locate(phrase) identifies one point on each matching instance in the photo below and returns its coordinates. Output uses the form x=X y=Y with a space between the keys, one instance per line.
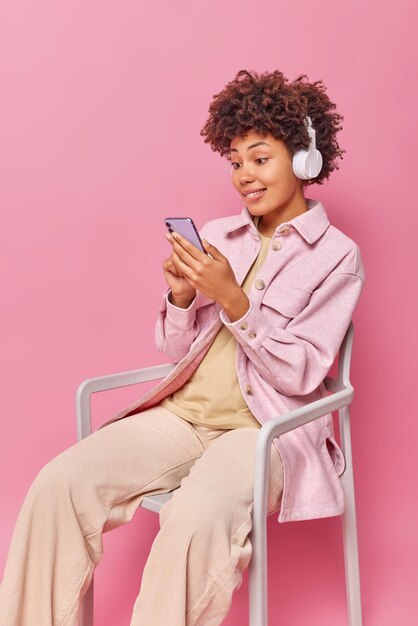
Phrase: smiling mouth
x=254 y=194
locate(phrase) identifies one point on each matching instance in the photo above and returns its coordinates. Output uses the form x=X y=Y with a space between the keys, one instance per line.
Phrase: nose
x=246 y=174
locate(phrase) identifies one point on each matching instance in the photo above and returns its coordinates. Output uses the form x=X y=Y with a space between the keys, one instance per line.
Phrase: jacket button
x=276 y=245
x=285 y=230
x=259 y=284
x=244 y=326
x=252 y=335
x=249 y=390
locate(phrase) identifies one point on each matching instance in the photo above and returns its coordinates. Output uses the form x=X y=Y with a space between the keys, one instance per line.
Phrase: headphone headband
x=311 y=132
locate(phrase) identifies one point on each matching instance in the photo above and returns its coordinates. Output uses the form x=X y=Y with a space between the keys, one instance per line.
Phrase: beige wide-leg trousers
x=200 y=552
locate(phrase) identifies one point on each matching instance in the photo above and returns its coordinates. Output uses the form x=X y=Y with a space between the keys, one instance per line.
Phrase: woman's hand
x=182 y=293
x=211 y=275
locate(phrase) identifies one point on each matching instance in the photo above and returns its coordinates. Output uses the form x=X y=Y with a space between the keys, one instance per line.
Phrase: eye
x=261 y=160
x=234 y=165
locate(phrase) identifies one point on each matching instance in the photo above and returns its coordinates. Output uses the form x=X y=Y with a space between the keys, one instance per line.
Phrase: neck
x=268 y=223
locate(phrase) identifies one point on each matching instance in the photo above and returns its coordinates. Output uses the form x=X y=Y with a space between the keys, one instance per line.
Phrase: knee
x=195 y=514
x=51 y=479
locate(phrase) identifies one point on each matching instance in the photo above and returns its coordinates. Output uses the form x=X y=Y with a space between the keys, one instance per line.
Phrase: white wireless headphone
x=308 y=163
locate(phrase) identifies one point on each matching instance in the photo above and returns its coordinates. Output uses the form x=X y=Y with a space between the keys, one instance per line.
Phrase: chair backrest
x=342 y=382
x=344 y=363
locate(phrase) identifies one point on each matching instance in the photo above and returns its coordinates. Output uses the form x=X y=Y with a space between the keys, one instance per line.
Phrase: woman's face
x=263 y=176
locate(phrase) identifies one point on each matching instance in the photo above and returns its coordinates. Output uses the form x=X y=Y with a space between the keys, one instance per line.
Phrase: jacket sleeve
x=296 y=359
x=176 y=328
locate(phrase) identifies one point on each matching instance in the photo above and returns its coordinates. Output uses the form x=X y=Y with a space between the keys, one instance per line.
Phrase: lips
x=254 y=193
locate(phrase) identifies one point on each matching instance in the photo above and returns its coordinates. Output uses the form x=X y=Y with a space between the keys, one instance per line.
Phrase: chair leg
x=352 y=569
x=258 y=577
x=351 y=556
x=85 y=617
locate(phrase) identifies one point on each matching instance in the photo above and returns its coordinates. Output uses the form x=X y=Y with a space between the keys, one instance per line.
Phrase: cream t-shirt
x=212 y=396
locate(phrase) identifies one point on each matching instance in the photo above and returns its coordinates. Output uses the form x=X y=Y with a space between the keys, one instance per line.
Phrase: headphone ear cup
x=307 y=164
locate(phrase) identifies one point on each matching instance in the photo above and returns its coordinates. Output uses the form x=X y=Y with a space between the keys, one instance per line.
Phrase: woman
x=255 y=325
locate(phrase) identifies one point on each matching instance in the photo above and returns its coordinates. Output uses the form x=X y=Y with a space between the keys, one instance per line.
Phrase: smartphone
x=185 y=227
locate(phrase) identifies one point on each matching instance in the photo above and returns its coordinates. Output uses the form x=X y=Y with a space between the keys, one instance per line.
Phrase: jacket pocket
x=333 y=450
x=286 y=299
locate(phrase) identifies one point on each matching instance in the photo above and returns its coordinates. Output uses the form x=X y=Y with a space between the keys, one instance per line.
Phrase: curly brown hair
x=267 y=103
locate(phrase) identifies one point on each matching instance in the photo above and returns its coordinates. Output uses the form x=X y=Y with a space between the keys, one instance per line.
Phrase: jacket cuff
x=178 y=317
x=251 y=329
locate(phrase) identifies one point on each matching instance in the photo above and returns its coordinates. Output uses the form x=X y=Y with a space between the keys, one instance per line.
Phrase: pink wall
x=101 y=107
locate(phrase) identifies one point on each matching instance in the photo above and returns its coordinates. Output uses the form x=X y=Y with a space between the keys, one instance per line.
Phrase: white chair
x=340 y=398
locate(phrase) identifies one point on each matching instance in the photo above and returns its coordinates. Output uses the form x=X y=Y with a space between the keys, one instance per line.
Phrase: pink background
x=101 y=107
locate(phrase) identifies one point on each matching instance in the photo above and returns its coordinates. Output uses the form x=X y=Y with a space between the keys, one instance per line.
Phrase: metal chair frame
x=340 y=398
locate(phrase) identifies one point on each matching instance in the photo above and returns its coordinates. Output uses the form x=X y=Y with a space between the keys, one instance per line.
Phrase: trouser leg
x=199 y=555
x=94 y=486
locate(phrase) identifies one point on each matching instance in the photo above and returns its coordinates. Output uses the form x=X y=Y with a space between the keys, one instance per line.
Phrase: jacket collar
x=311 y=225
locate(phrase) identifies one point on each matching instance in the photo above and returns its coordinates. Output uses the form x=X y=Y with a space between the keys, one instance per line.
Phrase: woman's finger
x=169 y=266
x=188 y=248
x=186 y=257
x=182 y=267
x=213 y=251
